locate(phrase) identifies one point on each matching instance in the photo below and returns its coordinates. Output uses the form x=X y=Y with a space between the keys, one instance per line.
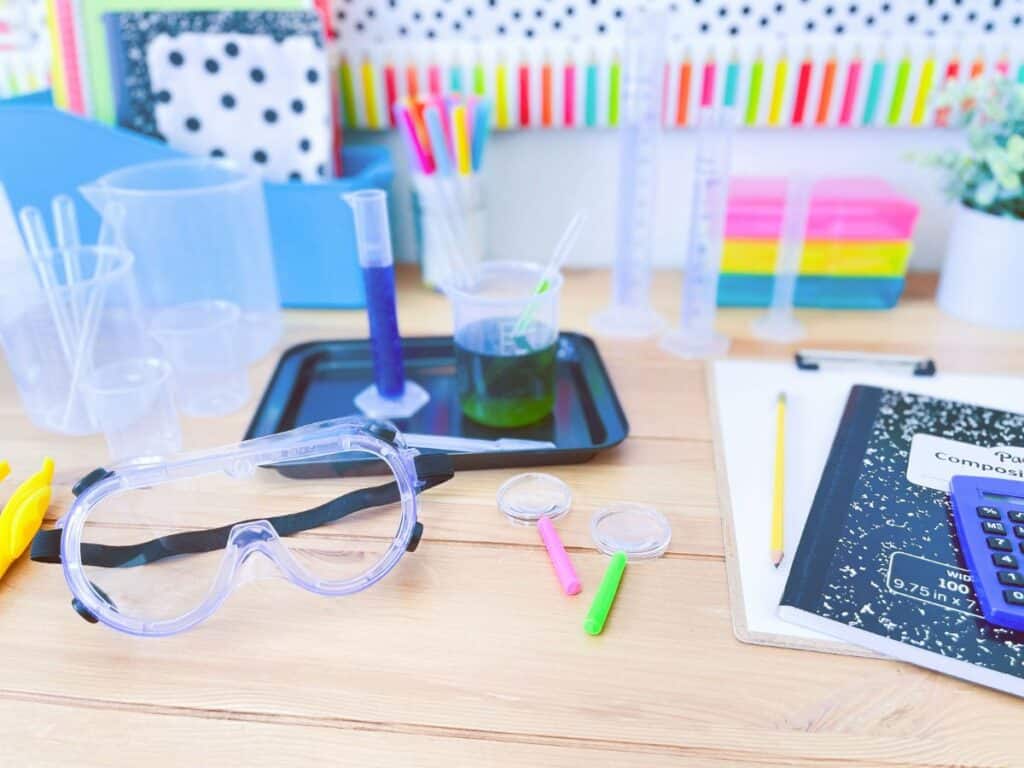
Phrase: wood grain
x=468 y=654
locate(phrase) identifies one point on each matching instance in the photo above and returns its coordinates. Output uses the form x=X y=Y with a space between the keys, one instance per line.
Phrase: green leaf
x=986 y=194
x=1015 y=152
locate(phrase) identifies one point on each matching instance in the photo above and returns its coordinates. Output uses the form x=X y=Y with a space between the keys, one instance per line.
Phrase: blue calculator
x=989 y=517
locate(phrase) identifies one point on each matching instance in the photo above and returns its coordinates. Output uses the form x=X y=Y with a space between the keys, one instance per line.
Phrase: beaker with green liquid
x=506 y=335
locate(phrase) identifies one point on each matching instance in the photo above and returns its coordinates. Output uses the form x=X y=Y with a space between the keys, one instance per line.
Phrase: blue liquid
x=388 y=369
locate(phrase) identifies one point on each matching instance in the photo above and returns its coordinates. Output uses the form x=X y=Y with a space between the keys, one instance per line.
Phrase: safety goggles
x=154 y=549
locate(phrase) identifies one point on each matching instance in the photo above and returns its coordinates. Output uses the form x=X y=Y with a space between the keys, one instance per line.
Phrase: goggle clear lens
x=222 y=513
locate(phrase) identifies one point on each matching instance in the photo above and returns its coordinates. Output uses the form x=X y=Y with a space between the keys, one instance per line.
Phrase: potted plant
x=983 y=277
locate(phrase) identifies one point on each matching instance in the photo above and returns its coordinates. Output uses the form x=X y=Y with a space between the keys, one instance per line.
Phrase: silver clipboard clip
x=827 y=359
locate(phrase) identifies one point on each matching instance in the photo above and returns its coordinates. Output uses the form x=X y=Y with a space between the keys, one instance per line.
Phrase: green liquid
x=505 y=380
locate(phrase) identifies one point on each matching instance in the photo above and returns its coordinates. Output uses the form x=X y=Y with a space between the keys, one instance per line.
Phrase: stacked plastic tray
x=855 y=252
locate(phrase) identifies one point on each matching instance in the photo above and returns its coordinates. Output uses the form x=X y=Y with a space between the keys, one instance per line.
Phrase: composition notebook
x=878 y=563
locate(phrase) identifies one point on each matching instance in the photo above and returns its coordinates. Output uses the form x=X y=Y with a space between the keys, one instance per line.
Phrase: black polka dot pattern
x=248 y=86
x=443 y=19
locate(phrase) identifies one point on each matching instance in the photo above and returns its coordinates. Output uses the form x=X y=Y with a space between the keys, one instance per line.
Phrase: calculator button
x=1011 y=578
x=1014 y=596
x=998 y=542
x=993 y=514
x=992 y=526
x=1016 y=515
x=1018 y=531
x=1004 y=561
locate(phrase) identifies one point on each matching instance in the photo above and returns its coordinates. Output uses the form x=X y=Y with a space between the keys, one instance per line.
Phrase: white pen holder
x=451 y=219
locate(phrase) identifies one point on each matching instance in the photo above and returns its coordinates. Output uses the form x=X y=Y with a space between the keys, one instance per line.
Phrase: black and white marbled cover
x=879 y=554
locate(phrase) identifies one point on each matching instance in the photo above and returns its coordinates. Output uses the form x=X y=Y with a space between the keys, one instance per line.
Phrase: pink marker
x=559 y=557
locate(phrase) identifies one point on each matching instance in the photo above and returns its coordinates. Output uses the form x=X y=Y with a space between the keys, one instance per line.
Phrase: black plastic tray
x=319 y=380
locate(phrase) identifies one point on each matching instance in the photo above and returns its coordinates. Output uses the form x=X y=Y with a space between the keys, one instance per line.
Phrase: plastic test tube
x=778 y=323
x=390 y=396
x=602 y=604
x=559 y=557
x=696 y=337
x=630 y=314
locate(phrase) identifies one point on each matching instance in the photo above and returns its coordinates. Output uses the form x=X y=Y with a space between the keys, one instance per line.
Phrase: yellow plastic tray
x=833 y=258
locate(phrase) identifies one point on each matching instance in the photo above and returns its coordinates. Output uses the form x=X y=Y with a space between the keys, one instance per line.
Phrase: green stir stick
x=558 y=257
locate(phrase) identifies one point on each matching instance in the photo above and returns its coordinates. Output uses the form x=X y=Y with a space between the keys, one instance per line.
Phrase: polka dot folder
x=248 y=86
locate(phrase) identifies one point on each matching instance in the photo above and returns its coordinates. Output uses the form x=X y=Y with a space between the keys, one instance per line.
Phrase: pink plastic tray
x=841 y=209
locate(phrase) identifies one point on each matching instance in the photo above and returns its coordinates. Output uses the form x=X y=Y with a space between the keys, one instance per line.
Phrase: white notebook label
x=935 y=460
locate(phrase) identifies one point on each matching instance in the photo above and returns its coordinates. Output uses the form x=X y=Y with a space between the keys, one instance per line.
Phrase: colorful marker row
x=821 y=88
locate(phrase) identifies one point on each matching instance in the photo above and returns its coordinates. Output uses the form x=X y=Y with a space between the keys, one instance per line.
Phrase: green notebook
x=94 y=36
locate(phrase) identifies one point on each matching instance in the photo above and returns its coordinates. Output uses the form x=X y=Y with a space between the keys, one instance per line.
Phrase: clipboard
x=741 y=400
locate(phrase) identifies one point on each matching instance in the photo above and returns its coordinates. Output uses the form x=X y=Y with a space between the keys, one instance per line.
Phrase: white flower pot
x=983 y=278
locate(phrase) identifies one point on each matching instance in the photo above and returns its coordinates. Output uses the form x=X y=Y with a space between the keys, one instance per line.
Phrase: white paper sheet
x=745 y=393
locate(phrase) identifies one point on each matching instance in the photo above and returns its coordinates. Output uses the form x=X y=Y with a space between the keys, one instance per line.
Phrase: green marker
x=602 y=604
x=754 y=94
x=613 y=93
x=348 y=95
x=479 y=80
x=899 y=92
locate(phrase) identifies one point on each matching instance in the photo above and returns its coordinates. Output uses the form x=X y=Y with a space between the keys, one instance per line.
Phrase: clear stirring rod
x=696 y=336
x=630 y=314
x=778 y=324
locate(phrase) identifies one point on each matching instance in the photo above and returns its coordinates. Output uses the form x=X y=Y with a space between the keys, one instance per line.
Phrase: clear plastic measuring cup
x=504 y=369
x=132 y=402
x=55 y=334
x=198 y=229
x=203 y=343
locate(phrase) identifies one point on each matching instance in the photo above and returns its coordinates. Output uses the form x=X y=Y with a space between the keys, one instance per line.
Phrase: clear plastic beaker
x=132 y=402
x=450 y=220
x=203 y=343
x=505 y=367
x=54 y=334
x=199 y=232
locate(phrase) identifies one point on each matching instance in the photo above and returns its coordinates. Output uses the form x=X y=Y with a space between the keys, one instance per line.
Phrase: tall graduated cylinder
x=506 y=338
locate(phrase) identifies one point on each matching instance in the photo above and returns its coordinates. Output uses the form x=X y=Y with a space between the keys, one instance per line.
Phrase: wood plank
x=478 y=638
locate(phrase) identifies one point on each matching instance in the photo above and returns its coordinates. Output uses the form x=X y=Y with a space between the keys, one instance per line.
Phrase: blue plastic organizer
x=45 y=152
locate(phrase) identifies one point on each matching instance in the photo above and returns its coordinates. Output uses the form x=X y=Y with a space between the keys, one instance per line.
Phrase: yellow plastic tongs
x=24 y=512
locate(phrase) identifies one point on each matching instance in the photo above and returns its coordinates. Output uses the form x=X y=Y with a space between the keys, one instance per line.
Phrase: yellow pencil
x=923 y=90
x=501 y=95
x=460 y=131
x=370 y=92
x=779 y=498
x=778 y=90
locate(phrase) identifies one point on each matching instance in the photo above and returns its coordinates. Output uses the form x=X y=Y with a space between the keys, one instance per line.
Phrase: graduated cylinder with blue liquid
x=390 y=396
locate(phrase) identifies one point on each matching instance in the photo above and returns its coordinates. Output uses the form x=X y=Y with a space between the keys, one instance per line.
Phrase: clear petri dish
x=526 y=498
x=639 y=530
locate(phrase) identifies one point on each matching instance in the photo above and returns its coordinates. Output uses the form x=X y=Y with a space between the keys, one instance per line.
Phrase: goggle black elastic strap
x=431 y=470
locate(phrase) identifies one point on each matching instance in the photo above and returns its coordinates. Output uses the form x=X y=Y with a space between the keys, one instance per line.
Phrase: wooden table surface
x=467 y=654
